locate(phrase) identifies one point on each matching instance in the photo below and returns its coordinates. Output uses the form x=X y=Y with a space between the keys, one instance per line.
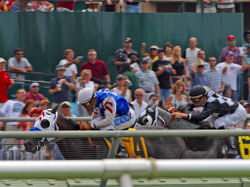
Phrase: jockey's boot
x=121 y=153
x=231 y=147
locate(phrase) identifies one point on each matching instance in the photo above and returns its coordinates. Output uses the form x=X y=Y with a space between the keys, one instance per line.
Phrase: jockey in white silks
x=110 y=110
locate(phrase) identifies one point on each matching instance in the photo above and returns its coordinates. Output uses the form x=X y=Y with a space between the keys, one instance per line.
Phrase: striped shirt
x=214 y=79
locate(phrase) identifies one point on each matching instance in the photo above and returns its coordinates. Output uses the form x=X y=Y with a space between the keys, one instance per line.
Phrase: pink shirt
x=37 y=98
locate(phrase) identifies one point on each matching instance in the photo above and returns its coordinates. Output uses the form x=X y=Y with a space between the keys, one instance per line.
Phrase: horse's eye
x=45 y=123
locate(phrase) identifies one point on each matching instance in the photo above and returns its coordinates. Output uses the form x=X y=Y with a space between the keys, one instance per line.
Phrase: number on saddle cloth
x=135 y=146
x=244 y=146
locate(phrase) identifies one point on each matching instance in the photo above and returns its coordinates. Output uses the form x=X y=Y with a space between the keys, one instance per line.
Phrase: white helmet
x=85 y=95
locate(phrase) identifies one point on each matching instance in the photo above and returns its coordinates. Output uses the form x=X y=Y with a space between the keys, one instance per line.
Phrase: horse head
x=153 y=115
x=45 y=122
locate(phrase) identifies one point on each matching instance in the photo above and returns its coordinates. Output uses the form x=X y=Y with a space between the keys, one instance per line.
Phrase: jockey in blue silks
x=110 y=111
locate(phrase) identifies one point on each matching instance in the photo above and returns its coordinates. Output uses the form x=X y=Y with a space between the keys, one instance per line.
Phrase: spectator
x=168 y=49
x=208 y=6
x=191 y=52
x=12 y=109
x=26 y=125
x=198 y=77
x=132 y=77
x=154 y=99
x=226 y=6
x=121 y=55
x=163 y=70
x=214 y=77
x=19 y=63
x=44 y=104
x=122 y=87
x=134 y=65
x=229 y=74
x=66 y=109
x=152 y=56
x=179 y=65
x=133 y=6
x=246 y=61
x=70 y=64
x=231 y=40
x=246 y=41
x=84 y=82
x=5 y=82
x=112 y=6
x=34 y=93
x=139 y=104
x=60 y=86
x=65 y=6
x=200 y=58
x=98 y=68
x=177 y=98
x=147 y=80
x=43 y=6
x=6 y=5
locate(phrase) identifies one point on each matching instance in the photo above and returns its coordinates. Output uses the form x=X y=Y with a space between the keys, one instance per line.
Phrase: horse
x=156 y=116
x=96 y=148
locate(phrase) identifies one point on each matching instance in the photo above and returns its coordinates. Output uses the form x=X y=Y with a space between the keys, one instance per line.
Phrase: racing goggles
x=195 y=100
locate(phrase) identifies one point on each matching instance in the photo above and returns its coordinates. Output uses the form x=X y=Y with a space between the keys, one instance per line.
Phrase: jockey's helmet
x=197 y=92
x=86 y=95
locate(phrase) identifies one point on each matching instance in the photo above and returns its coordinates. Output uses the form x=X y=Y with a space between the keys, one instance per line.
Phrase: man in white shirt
x=191 y=52
x=229 y=72
x=12 y=109
x=70 y=64
x=139 y=103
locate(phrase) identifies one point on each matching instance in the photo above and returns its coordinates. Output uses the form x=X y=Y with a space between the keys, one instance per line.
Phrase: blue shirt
x=198 y=79
x=122 y=106
x=63 y=95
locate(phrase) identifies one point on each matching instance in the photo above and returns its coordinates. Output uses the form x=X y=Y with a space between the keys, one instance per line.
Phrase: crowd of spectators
x=131 y=6
x=163 y=73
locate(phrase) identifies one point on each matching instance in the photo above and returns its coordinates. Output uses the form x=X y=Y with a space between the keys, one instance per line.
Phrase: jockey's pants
x=229 y=120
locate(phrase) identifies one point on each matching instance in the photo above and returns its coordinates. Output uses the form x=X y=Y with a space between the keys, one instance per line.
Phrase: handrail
x=32 y=119
x=138 y=133
x=139 y=168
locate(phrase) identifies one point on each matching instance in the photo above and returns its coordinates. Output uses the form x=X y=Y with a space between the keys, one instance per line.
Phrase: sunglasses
x=19 y=54
x=65 y=106
x=211 y=60
x=138 y=95
x=196 y=100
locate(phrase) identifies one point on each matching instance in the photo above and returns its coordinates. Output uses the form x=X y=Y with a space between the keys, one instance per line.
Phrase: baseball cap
x=229 y=53
x=65 y=103
x=146 y=59
x=230 y=37
x=160 y=50
x=201 y=63
x=127 y=39
x=59 y=67
x=154 y=47
x=119 y=77
x=2 y=60
x=34 y=84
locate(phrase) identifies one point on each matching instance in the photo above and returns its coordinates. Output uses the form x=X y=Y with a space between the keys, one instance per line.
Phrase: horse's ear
x=150 y=103
x=55 y=109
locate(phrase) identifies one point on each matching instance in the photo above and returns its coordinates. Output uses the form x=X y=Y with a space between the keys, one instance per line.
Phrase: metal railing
x=124 y=169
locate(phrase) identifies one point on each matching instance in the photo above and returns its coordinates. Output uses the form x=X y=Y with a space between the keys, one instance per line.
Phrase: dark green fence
x=45 y=35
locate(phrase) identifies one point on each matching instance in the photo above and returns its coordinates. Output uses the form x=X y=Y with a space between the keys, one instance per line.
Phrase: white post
x=125 y=180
